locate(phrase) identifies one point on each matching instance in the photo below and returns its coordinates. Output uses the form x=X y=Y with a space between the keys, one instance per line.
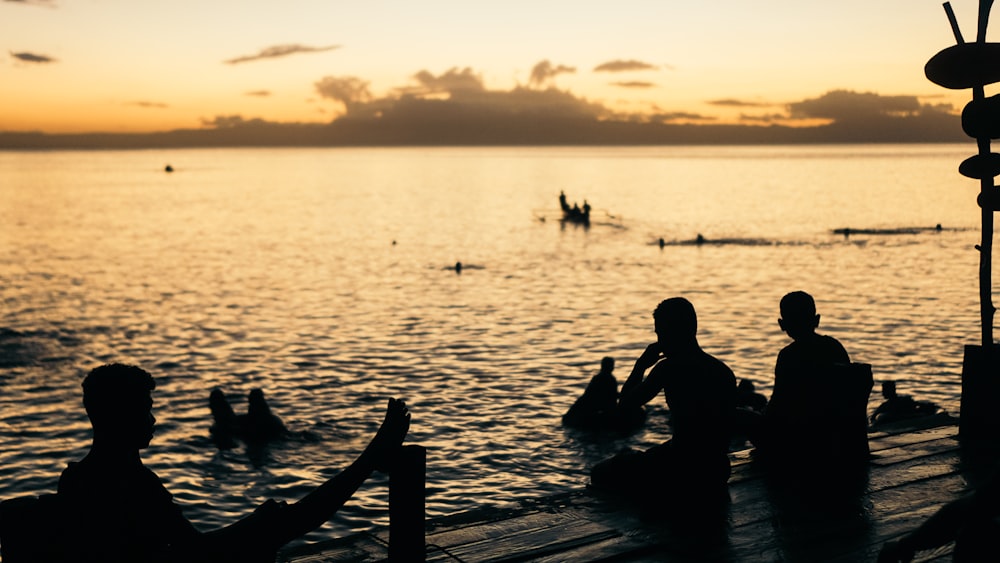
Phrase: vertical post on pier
x=406 y=505
x=986 y=197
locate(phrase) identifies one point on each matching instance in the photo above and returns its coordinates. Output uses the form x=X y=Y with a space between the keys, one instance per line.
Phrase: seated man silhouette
x=597 y=408
x=258 y=425
x=117 y=510
x=700 y=391
x=814 y=392
x=899 y=407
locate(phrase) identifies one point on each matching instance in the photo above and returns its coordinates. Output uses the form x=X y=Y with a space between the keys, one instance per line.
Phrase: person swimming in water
x=899 y=407
x=259 y=424
x=597 y=408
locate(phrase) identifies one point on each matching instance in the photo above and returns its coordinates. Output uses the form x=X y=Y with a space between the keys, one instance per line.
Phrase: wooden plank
x=357 y=548
x=525 y=545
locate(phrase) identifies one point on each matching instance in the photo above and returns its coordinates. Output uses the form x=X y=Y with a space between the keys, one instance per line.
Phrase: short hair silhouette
x=677 y=313
x=111 y=391
x=798 y=305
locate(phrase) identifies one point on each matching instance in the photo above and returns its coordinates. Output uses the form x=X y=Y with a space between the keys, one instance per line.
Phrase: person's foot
x=390 y=435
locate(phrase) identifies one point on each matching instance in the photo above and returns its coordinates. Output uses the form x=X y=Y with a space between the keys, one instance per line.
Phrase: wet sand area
x=914 y=470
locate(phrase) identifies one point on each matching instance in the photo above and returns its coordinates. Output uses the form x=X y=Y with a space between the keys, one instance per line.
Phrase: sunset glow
x=116 y=66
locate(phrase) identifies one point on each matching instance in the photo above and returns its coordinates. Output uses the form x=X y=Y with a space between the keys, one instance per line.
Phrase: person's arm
x=636 y=391
x=281 y=523
x=941 y=528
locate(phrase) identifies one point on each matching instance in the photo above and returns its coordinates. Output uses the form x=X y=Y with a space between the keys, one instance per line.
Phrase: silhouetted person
x=700 y=391
x=562 y=202
x=816 y=391
x=168 y=168
x=458 y=267
x=899 y=407
x=970 y=521
x=117 y=510
x=747 y=420
x=747 y=397
x=259 y=424
x=597 y=408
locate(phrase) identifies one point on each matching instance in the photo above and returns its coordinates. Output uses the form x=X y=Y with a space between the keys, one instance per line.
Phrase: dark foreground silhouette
x=597 y=409
x=970 y=522
x=819 y=403
x=111 y=509
x=700 y=390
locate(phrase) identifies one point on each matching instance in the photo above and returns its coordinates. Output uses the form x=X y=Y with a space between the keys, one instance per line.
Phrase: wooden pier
x=913 y=472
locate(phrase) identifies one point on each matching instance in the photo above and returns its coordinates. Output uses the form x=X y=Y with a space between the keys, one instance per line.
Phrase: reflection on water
x=326 y=277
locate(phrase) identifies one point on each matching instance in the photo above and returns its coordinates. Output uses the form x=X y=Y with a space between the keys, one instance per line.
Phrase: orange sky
x=123 y=66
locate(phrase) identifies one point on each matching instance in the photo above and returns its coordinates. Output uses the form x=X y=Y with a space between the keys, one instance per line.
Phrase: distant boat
x=574 y=213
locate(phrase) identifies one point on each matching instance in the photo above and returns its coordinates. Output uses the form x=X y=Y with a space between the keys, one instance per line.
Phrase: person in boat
x=700 y=391
x=563 y=204
x=899 y=407
x=972 y=522
x=259 y=424
x=597 y=408
x=116 y=510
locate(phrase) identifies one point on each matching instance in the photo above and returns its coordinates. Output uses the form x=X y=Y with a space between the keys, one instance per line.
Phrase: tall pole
x=986 y=203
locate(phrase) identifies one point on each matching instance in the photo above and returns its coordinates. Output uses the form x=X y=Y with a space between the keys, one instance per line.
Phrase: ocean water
x=325 y=277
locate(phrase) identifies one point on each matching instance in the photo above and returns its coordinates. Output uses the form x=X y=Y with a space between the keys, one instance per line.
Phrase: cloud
x=544 y=72
x=764 y=118
x=840 y=105
x=666 y=117
x=232 y=122
x=146 y=104
x=278 y=51
x=624 y=66
x=732 y=102
x=45 y=3
x=453 y=80
x=259 y=93
x=348 y=90
x=32 y=58
x=634 y=84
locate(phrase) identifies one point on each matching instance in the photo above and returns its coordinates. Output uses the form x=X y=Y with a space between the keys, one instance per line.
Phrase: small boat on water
x=574 y=213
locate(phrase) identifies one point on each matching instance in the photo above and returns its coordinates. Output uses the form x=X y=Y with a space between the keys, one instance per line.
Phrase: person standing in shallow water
x=700 y=391
x=117 y=510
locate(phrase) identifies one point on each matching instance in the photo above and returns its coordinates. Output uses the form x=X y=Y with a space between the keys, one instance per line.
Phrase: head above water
x=889 y=389
x=119 y=403
x=798 y=314
x=676 y=324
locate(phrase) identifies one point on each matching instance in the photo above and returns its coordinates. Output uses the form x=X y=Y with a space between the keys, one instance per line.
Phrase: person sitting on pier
x=971 y=522
x=700 y=391
x=899 y=407
x=597 y=408
x=114 y=509
x=814 y=384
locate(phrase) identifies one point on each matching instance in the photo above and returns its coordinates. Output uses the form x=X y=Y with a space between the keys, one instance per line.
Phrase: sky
x=73 y=66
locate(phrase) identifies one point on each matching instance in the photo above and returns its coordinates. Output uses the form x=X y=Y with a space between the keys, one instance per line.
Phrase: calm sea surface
x=322 y=276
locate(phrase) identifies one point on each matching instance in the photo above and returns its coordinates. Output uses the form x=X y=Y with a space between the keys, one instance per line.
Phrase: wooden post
x=406 y=505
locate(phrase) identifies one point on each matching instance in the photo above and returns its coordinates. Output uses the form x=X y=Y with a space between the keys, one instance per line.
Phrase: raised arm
x=636 y=391
x=274 y=524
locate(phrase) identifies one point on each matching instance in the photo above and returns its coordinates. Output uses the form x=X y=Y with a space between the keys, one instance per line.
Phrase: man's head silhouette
x=119 y=403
